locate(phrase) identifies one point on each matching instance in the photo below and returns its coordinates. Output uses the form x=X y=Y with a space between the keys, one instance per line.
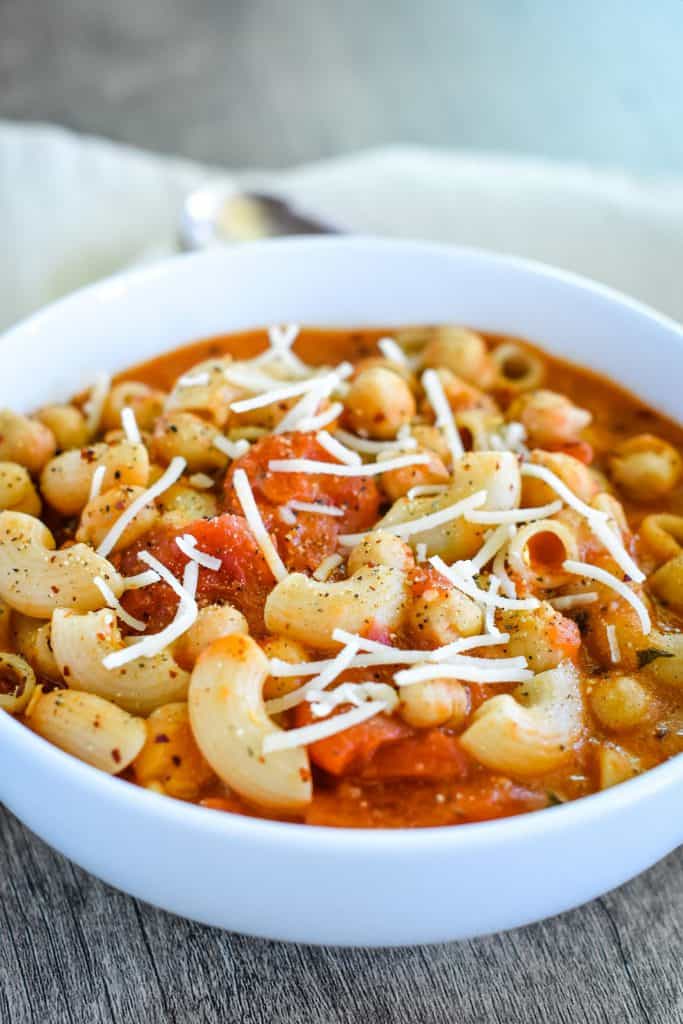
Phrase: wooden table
x=270 y=83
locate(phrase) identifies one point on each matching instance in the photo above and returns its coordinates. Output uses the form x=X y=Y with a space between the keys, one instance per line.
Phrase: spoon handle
x=215 y=214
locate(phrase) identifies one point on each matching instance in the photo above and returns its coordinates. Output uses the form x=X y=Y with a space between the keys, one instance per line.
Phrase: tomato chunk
x=430 y=754
x=304 y=544
x=349 y=751
x=243 y=580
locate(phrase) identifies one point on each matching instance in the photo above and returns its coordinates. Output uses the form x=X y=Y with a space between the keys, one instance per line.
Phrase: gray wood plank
x=72 y=949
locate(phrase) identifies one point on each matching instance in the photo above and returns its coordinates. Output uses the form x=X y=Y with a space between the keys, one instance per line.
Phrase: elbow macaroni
x=230 y=723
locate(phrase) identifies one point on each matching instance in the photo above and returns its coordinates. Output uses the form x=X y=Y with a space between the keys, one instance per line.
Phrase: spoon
x=216 y=214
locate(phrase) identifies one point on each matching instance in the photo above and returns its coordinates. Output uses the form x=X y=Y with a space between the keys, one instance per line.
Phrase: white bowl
x=325 y=885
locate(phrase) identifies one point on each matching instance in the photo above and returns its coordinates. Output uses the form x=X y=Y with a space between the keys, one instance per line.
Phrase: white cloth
x=74 y=209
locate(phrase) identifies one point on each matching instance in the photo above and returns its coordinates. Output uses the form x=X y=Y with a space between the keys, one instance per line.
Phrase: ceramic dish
x=314 y=884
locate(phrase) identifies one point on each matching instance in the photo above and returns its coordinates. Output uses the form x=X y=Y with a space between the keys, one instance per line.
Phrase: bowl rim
x=68 y=768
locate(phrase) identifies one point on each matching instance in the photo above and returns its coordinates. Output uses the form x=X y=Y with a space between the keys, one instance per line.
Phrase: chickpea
x=180 y=505
x=663 y=534
x=645 y=467
x=462 y=352
x=433 y=703
x=431 y=439
x=380 y=548
x=620 y=703
x=612 y=610
x=379 y=403
x=544 y=636
x=615 y=765
x=398 y=482
x=67 y=423
x=212 y=622
x=667 y=583
x=26 y=441
x=183 y=433
x=147 y=404
x=461 y=395
x=17 y=491
x=579 y=478
x=100 y=514
x=549 y=418
x=438 y=617
x=402 y=369
x=286 y=650
x=170 y=757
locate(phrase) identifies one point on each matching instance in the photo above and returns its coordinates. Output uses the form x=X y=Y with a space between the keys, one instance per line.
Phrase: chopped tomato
x=495 y=797
x=581 y=450
x=243 y=580
x=430 y=754
x=425 y=577
x=349 y=751
x=564 y=635
x=306 y=543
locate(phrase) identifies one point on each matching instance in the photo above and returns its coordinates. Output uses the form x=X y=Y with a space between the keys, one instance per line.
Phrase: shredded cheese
x=202 y=481
x=324 y=702
x=428 y=522
x=336 y=469
x=509 y=437
x=425 y=490
x=500 y=570
x=469 y=587
x=243 y=375
x=315 y=506
x=494 y=541
x=593 y=572
x=321 y=730
x=194 y=380
x=490 y=610
x=233 y=449
x=130 y=425
x=141 y=579
x=332 y=668
x=286 y=516
x=188 y=545
x=391 y=350
x=113 y=602
x=327 y=567
x=431 y=382
x=240 y=482
x=613 y=643
x=421 y=551
x=571 y=601
x=367 y=447
x=94 y=407
x=514 y=515
x=337 y=449
x=323 y=419
x=467 y=674
x=304 y=411
x=283 y=394
x=173 y=473
x=96 y=482
x=186 y=614
x=597 y=521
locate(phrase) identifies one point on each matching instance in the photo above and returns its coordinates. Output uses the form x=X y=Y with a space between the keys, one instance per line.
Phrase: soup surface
x=348 y=577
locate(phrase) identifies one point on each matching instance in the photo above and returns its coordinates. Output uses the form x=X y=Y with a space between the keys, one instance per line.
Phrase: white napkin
x=74 y=209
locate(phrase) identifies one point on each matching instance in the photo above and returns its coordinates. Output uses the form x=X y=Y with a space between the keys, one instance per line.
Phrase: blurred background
x=271 y=83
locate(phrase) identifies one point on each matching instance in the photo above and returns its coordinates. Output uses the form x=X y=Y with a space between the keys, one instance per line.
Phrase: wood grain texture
x=74 y=951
